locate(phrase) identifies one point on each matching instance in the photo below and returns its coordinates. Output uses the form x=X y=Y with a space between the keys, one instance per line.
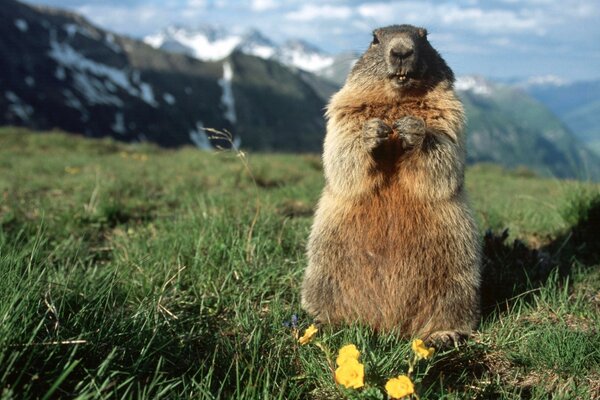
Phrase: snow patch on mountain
x=72 y=101
x=72 y=29
x=473 y=84
x=169 y=98
x=22 y=25
x=60 y=73
x=147 y=94
x=18 y=107
x=227 y=98
x=94 y=90
x=96 y=81
x=544 y=80
x=199 y=138
x=109 y=40
x=304 y=56
x=208 y=46
x=253 y=42
x=119 y=125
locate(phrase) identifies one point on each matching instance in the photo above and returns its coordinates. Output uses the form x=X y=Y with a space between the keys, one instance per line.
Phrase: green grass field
x=128 y=271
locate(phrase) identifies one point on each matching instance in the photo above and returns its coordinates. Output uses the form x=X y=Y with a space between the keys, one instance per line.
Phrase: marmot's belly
x=385 y=265
x=401 y=234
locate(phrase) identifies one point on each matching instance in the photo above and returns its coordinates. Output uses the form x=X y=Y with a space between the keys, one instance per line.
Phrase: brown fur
x=393 y=244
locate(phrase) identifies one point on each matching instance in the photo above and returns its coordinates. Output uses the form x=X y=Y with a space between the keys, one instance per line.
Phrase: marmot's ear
x=422 y=32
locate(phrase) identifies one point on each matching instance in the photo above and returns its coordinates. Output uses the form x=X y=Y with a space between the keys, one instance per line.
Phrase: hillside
x=61 y=71
x=577 y=104
x=130 y=271
x=509 y=127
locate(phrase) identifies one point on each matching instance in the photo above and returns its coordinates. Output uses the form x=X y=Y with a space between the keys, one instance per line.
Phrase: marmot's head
x=401 y=57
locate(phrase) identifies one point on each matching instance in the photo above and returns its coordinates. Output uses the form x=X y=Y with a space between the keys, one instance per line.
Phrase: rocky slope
x=61 y=71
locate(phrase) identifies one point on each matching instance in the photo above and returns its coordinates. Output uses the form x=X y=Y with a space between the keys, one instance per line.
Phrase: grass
x=127 y=271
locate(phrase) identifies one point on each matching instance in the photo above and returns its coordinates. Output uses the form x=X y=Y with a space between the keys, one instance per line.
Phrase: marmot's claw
x=375 y=131
x=411 y=131
x=442 y=340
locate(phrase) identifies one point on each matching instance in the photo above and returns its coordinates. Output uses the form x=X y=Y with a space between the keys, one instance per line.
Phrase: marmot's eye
x=375 y=39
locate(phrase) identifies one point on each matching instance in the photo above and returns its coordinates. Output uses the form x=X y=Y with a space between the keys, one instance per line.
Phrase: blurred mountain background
x=58 y=70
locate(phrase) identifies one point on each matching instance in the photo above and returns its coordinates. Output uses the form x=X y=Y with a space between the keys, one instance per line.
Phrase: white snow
x=60 y=73
x=210 y=44
x=148 y=94
x=169 y=98
x=155 y=40
x=119 y=125
x=18 y=106
x=110 y=86
x=237 y=142
x=261 y=51
x=73 y=29
x=303 y=55
x=136 y=76
x=94 y=90
x=96 y=81
x=22 y=25
x=202 y=47
x=109 y=39
x=199 y=138
x=473 y=84
x=72 y=101
x=308 y=62
x=227 y=98
x=545 y=80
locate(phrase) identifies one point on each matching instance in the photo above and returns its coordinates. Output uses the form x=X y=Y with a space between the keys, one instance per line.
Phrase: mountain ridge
x=61 y=71
x=213 y=43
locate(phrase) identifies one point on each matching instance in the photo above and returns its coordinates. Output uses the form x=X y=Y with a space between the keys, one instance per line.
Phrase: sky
x=500 y=39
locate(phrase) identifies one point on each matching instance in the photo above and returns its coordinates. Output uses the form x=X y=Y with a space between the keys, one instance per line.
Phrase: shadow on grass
x=512 y=270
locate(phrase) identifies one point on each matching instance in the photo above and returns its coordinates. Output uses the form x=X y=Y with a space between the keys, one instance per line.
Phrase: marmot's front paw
x=411 y=131
x=375 y=132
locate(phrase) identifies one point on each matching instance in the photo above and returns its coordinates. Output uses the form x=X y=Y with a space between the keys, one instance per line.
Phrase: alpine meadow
x=130 y=271
x=316 y=199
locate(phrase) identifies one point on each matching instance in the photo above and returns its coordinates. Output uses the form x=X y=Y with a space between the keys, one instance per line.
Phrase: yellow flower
x=348 y=352
x=308 y=334
x=420 y=350
x=72 y=170
x=350 y=374
x=399 y=387
x=139 y=157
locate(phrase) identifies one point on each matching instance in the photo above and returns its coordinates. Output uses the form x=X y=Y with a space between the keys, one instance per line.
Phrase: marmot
x=393 y=244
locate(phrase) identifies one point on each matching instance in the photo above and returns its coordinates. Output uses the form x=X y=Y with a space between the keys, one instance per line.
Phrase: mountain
x=211 y=43
x=61 y=71
x=577 y=104
x=508 y=126
x=340 y=67
x=58 y=70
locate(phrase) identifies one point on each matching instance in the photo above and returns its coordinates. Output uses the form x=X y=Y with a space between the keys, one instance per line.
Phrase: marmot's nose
x=401 y=52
